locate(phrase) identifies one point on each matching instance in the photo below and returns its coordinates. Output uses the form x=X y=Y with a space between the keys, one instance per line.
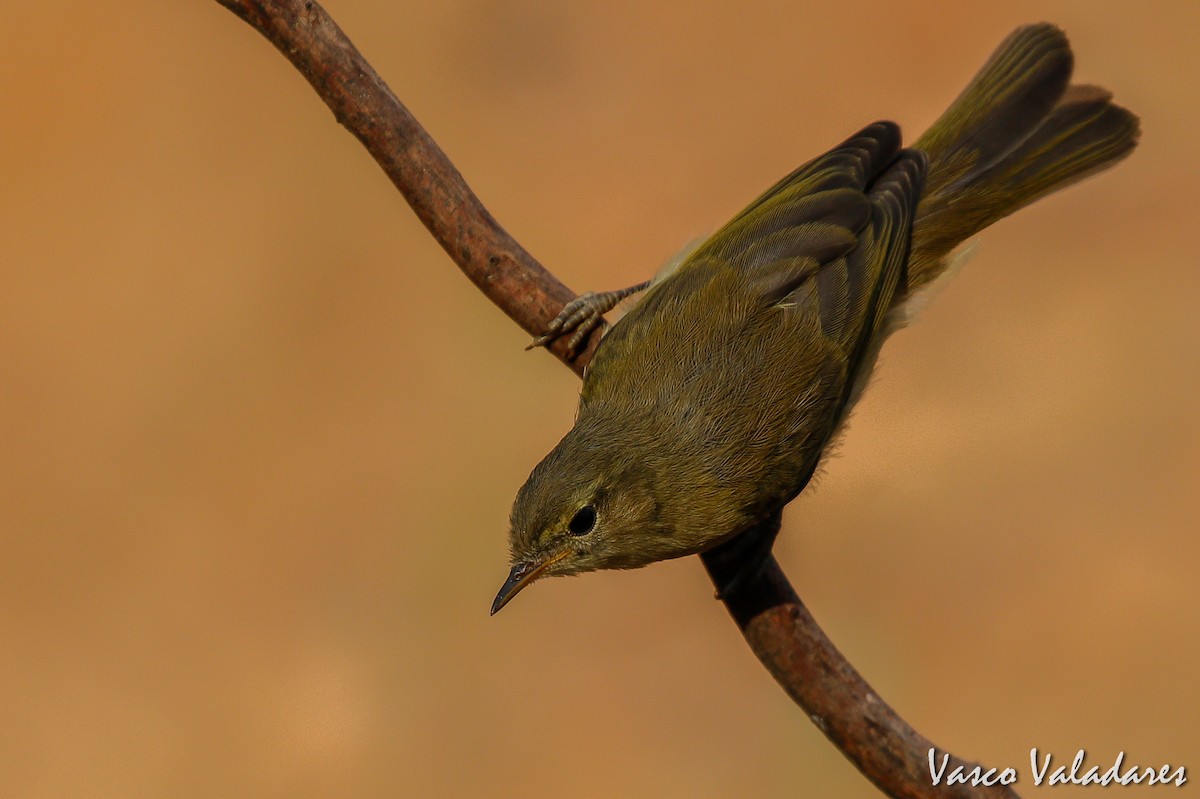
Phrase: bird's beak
x=523 y=574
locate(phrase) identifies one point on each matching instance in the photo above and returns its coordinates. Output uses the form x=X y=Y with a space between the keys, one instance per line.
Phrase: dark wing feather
x=853 y=293
x=894 y=199
x=739 y=366
x=822 y=252
x=828 y=189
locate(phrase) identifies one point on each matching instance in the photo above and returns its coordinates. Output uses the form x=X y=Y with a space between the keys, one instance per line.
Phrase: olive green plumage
x=1016 y=133
x=708 y=406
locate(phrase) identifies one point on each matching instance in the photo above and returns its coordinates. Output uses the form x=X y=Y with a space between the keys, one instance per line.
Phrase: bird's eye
x=583 y=521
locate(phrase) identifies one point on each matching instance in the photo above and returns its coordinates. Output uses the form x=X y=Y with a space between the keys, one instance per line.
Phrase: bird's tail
x=1019 y=131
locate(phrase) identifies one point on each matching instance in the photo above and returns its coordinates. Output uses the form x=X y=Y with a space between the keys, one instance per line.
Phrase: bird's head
x=588 y=505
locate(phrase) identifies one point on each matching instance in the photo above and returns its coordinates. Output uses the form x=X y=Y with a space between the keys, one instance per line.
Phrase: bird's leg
x=734 y=563
x=580 y=316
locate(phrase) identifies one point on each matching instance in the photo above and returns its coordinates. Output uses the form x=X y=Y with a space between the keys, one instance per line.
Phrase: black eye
x=583 y=521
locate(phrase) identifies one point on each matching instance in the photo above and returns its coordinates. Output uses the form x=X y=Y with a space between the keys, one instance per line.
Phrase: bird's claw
x=582 y=315
x=579 y=317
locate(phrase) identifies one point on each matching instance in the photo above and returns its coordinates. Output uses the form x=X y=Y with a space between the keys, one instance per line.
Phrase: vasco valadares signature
x=1075 y=774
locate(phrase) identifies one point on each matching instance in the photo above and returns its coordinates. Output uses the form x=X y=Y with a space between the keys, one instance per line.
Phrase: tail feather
x=1018 y=132
x=1084 y=133
x=1001 y=106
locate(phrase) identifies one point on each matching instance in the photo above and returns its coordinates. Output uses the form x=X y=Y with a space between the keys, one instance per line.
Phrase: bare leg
x=736 y=562
x=580 y=316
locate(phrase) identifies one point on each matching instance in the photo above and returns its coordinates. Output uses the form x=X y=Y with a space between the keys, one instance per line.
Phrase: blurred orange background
x=261 y=437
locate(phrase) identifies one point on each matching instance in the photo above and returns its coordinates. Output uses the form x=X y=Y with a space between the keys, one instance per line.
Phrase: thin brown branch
x=361 y=101
x=776 y=625
x=802 y=659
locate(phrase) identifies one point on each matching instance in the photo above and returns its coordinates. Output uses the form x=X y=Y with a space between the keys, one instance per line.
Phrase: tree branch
x=776 y=625
x=363 y=104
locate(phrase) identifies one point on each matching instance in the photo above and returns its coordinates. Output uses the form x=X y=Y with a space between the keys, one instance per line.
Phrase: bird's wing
x=830 y=187
x=822 y=251
x=830 y=239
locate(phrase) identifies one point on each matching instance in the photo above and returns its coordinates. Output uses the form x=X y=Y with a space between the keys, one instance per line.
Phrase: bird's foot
x=734 y=564
x=582 y=315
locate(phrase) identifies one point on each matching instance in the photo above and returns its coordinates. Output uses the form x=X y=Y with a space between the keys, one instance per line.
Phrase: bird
x=708 y=406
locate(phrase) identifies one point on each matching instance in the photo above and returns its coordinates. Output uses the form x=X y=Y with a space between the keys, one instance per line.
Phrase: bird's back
x=734 y=371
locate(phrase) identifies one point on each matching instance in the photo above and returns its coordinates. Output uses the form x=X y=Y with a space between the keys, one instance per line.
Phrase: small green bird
x=707 y=407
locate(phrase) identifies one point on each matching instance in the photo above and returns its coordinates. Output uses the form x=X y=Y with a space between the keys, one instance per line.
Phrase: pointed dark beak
x=522 y=574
